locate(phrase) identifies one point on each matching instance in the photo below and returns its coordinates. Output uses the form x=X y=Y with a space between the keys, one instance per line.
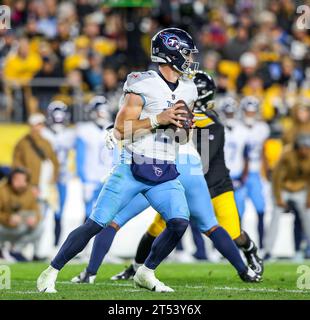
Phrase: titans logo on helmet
x=171 y=41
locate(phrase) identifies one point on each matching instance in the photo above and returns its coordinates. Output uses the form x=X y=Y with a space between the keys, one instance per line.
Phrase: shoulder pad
x=135 y=77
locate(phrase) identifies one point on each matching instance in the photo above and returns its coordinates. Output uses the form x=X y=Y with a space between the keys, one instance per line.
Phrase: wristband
x=154 y=122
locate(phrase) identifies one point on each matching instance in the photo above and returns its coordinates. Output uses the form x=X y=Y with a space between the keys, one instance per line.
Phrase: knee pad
x=178 y=225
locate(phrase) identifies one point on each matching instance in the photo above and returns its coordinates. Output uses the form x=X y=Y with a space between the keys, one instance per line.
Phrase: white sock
x=52 y=270
x=146 y=269
x=136 y=265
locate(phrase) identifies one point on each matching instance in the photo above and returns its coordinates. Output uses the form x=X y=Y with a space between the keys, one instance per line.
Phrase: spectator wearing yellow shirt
x=18 y=70
x=79 y=59
x=21 y=66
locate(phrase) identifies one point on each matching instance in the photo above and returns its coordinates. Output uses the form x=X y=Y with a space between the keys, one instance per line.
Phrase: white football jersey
x=157 y=97
x=258 y=133
x=235 y=146
x=189 y=148
x=62 y=142
x=97 y=159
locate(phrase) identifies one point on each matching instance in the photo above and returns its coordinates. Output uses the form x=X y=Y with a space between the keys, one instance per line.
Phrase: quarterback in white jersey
x=62 y=140
x=147 y=85
x=149 y=102
x=93 y=159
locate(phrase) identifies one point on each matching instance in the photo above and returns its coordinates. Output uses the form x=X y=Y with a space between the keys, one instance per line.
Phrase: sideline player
x=93 y=159
x=258 y=132
x=235 y=149
x=62 y=139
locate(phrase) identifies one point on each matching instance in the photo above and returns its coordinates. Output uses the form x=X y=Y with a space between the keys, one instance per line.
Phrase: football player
x=218 y=180
x=258 y=132
x=147 y=162
x=62 y=139
x=235 y=148
x=93 y=159
x=198 y=198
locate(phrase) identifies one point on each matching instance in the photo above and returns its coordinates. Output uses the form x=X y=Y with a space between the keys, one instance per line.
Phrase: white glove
x=109 y=139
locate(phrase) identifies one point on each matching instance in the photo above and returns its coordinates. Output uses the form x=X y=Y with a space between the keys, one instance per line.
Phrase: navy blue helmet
x=206 y=91
x=175 y=47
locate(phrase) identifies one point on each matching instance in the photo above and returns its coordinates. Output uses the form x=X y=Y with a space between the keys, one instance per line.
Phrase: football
x=182 y=134
x=187 y=124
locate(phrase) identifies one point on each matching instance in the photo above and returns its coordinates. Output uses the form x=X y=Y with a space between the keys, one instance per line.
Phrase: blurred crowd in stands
x=72 y=51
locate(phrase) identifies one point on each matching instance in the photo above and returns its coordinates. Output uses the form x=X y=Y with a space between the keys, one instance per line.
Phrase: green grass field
x=190 y=281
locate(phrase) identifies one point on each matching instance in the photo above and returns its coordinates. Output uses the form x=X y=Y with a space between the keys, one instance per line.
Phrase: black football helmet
x=175 y=47
x=206 y=91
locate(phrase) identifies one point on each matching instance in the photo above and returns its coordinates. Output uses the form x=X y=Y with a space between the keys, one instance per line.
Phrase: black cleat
x=19 y=257
x=254 y=261
x=84 y=277
x=127 y=274
x=250 y=276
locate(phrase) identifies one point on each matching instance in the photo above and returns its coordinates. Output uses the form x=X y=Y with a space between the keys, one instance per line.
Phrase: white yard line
x=129 y=285
x=21 y=292
x=261 y=290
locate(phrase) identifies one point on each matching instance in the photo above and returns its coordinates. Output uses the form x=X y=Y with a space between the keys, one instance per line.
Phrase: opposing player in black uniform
x=218 y=180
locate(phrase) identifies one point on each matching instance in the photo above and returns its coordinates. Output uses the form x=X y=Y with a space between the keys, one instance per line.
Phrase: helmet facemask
x=206 y=92
x=185 y=63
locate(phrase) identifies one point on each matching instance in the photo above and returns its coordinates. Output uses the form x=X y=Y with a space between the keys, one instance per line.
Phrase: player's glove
x=109 y=138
